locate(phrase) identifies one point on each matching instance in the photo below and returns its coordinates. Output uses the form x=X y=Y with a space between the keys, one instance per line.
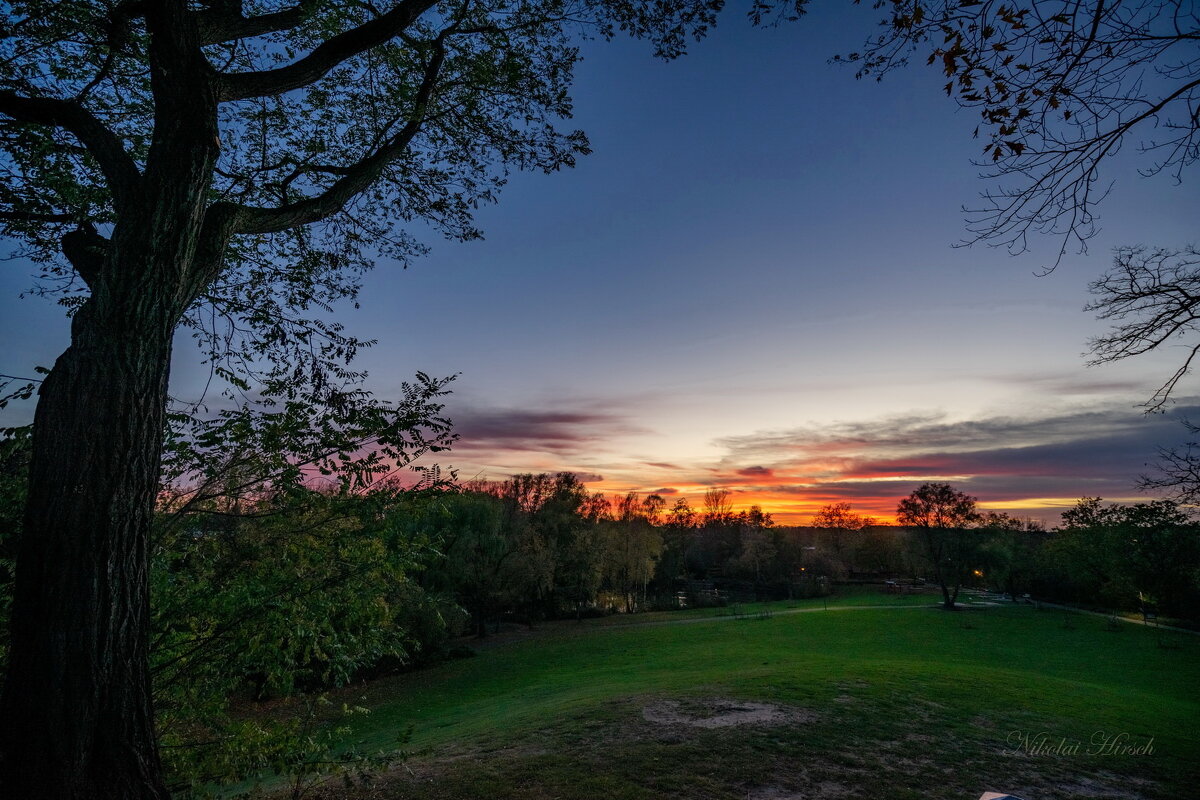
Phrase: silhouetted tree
x=841 y=517
x=718 y=508
x=757 y=550
x=678 y=532
x=941 y=517
x=841 y=523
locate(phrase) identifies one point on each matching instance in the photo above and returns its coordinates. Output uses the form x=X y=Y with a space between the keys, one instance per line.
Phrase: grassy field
x=902 y=702
x=847 y=596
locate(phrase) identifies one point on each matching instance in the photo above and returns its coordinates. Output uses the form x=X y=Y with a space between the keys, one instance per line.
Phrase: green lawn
x=846 y=596
x=909 y=702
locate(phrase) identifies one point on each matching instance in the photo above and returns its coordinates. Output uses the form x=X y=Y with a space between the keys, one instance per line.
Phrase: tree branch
x=358 y=176
x=326 y=56
x=119 y=19
x=223 y=24
x=215 y=233
x=1158 y=293
x=119 y=169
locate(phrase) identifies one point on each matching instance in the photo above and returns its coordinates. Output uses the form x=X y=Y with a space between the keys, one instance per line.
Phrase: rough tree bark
x=78 y=719
x=81 y=600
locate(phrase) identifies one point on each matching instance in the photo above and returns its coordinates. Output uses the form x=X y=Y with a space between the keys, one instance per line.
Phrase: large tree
x=227 y=161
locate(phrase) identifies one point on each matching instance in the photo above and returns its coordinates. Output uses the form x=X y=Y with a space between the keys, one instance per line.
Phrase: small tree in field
x=941 y=517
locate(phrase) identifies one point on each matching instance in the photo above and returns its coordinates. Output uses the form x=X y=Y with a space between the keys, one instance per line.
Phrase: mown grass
x=846 y=596
x=907 y=702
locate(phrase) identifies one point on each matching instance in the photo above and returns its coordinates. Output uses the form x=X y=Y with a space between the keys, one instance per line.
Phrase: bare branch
x=1178 y=470
x=1154 y=296
x=1060 y=86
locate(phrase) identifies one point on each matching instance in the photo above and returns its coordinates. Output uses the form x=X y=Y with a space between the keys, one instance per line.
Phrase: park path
x=1155 y=625
x=963 y=605
x=764 y=615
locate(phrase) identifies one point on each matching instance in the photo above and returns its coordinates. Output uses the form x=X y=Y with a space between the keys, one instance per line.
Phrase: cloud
x=922 y=434
x=1074 y=384
x=1001 y=459
x=665 y=490
x=754 y=472
x=588 y=477
x=549 y=431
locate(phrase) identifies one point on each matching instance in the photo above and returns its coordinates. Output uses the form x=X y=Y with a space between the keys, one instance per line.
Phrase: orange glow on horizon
x=793 y=493
x=799 y=507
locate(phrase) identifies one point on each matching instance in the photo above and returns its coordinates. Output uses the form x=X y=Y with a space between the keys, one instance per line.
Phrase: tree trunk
x=78 y=721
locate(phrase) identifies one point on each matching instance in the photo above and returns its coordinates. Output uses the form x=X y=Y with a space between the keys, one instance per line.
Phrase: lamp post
x=804 y=568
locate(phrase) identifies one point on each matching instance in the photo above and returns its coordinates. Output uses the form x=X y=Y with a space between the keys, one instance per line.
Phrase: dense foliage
x=1142 y=555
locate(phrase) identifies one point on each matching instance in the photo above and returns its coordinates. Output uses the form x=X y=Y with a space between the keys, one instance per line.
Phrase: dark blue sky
x=759 y=248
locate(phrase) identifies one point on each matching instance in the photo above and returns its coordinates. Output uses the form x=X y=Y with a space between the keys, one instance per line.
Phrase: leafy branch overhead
x=355 y=445
x=319 y=102
x=334 y=122
x=1059 y=86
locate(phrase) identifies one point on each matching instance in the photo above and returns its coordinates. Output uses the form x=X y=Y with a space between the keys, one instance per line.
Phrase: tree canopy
x=942 y=516
x=323 y=126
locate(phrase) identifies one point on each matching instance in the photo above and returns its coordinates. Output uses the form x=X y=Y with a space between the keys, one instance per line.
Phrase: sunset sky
x=750 y=284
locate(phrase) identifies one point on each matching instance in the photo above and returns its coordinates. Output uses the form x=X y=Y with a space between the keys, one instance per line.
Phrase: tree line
x=1113 y=556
